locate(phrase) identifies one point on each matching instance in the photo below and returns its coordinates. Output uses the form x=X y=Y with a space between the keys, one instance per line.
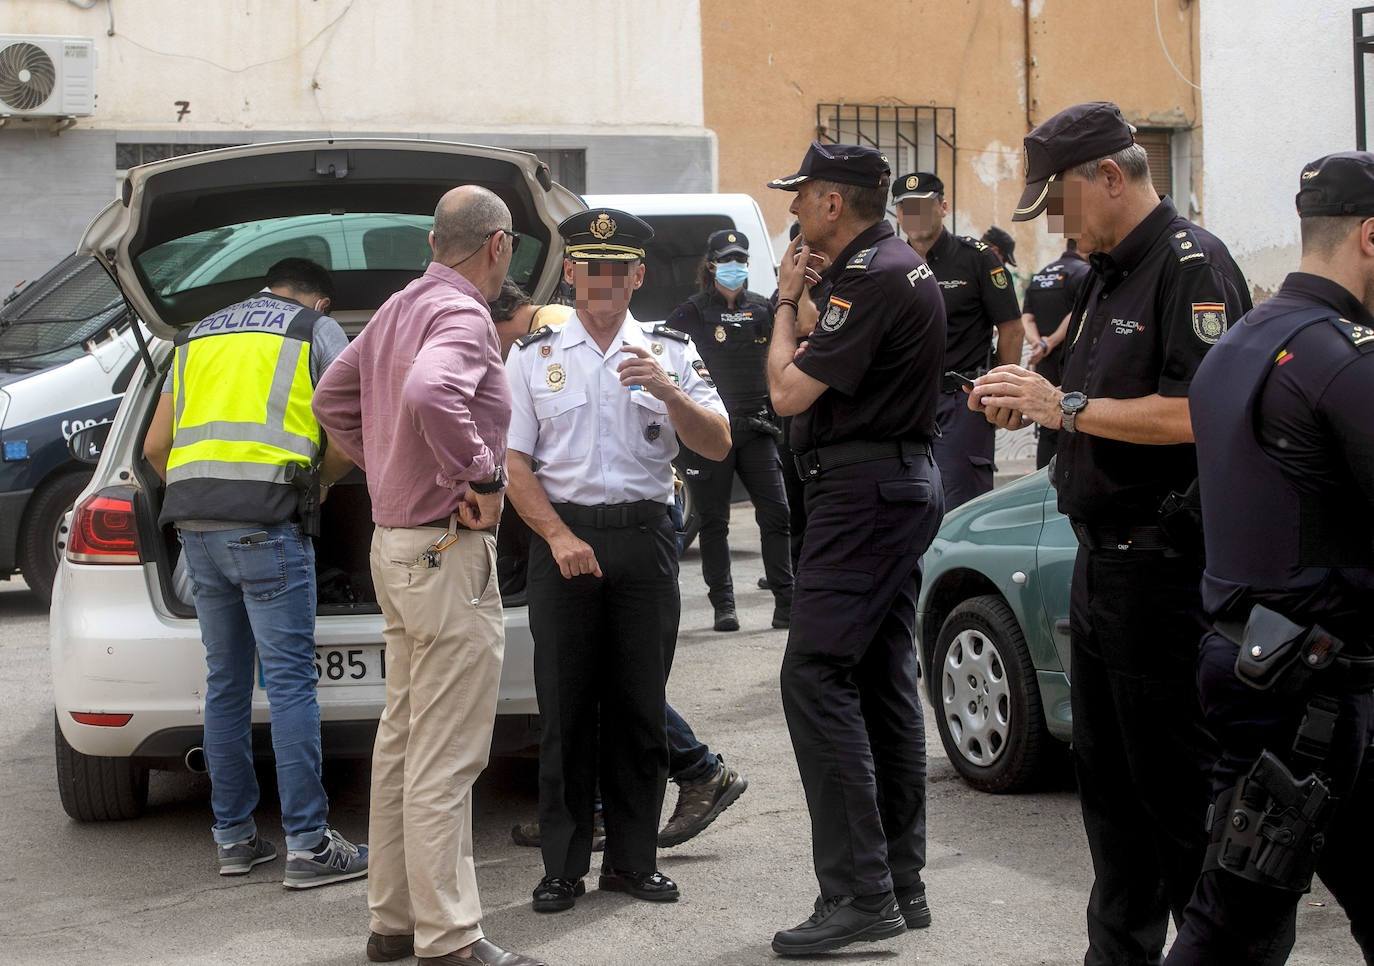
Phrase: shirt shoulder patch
x=542 y=332
x=1187 y=248
x=1361 y=336
x=861 y=260
x=667 y=333
x=973 y=243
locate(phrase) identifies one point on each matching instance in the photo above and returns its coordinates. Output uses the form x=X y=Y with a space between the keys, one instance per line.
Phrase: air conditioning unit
x=46 y=76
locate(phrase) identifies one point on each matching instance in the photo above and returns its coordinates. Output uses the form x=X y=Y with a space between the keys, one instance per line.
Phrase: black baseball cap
x=1076 y=135
x=842 y=163
x=921 y=184
x=605 y=234
x=727 y=241
x=1004 y=242
x=1338 y=184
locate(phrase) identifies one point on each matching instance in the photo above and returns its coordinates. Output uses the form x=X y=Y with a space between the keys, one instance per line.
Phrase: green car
x=993 y=634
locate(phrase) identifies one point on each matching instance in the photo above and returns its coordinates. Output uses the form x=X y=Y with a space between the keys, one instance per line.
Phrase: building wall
x=1271 y=107
x=768 y=65
x=620 y=81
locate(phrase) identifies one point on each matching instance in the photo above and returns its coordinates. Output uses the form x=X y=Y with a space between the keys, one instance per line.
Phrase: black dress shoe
x=388 y=949
x=782 y=615
x=836 y=923
x=649 y=886
x=764 y=584
x=915 y=909
x=555 y=894
x=726 y=619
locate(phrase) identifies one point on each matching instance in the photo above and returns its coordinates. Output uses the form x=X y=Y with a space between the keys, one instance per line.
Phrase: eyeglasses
x=732 y=257
x=515 y=237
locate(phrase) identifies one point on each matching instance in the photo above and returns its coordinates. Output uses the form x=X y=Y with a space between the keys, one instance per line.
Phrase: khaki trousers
x=444 y=645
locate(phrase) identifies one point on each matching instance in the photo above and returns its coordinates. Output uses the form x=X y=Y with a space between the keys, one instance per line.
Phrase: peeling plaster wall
x=1271 y=106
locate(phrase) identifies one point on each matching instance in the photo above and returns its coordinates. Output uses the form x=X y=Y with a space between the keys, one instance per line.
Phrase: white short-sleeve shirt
x=594 y=441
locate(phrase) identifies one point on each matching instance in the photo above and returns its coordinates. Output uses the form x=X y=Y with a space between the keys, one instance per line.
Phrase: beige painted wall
x=768 y=65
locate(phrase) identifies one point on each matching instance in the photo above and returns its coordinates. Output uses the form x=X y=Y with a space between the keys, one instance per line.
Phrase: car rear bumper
x=114 y=653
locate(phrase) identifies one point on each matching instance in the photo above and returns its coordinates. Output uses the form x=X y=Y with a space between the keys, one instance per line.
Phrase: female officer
x=731 y=327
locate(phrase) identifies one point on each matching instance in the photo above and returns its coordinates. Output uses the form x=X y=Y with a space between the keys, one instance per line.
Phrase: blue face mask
x=731 y=276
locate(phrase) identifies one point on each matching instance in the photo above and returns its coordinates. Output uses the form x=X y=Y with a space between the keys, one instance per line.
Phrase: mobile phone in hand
x=965 y=380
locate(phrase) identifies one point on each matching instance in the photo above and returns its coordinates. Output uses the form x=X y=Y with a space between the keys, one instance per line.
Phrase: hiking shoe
x=388 y=949
x=726 y=619
x=701 y=803
x=526 y=834
x=239 y=859
x=335 y=859
x=915 y=909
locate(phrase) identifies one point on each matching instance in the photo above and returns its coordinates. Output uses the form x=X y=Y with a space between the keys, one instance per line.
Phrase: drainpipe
x=1029 y=62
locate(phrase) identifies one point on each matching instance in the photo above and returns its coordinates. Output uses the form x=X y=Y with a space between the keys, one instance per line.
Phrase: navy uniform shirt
x=878 y=346
x=733 y=343
x=1049 y=298
x=978 y=298
x=1150 y=311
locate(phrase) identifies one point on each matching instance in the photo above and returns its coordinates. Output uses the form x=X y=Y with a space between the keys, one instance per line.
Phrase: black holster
x=305 y=480
x=1180 y=517
x=761 y=422
x=1277 y=654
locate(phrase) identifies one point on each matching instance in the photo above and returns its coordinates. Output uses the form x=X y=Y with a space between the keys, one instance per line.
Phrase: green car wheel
x=987 y=703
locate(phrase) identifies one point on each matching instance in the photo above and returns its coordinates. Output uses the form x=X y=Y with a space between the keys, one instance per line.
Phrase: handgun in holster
x=305 y=480
x=1180 y=517
x=761 y=422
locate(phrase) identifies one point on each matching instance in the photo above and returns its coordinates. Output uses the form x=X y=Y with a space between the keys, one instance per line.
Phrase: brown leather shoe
x=484 y=953
x=388 y=949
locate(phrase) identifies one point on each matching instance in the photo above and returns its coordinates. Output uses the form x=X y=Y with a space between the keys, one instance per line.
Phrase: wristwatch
x=496 y=484
x=1070 y=406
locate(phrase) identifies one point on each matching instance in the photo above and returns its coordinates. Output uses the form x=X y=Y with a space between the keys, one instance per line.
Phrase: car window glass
x=673 y=262
x=48 y=321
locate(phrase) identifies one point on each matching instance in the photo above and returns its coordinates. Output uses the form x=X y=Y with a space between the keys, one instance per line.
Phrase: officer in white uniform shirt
x=597 y=408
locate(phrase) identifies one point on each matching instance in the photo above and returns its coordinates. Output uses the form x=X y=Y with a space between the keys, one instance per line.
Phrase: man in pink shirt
x=420 y=402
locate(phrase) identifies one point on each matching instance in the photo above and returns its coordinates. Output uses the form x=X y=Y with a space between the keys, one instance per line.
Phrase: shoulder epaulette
x=668 y=333
x=973 y=243
x=861 y=260
x=1187 y=248
x=1362 y=336
x=543 y=332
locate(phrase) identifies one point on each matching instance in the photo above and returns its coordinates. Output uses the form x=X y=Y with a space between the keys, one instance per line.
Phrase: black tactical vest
x=734 y=345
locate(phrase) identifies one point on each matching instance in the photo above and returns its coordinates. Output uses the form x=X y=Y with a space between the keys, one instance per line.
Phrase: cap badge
x=555 y=377
x=720 y=333
x=730 y=238
x=911 y=183
x=603 y=227
x=656 y=348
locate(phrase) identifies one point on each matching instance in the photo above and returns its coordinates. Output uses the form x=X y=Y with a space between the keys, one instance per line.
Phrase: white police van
x=67 y=352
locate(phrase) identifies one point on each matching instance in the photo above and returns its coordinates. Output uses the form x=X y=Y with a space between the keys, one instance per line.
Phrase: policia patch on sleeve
x=1209 y=321
x=999 y=277
x=836 y=313
x=703 y=372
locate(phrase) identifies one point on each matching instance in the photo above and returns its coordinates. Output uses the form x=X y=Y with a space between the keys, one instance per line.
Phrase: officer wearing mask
x=731 y=327
x=979 y=299
x=1048 y=300
x=598 y=406
x=863 y=392
x=1162 y=293
x=1286 y=454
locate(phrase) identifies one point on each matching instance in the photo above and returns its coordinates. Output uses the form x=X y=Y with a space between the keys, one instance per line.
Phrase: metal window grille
x=1364 y=49
x=129 y=155
x=914 y=138
x=1159 y=148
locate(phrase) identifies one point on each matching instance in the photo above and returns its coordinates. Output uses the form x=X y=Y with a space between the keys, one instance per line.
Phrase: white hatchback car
x=191 y=235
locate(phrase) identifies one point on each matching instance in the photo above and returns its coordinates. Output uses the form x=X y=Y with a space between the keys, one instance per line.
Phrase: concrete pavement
x=1008 y=876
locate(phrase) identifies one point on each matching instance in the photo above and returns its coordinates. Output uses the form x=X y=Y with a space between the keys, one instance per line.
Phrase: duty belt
x=811 y=465
x=1120 y=538
x=613 y=515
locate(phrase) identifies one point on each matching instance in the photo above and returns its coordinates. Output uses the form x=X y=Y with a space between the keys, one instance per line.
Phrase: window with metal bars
x=1159 y=147
x=913 y=137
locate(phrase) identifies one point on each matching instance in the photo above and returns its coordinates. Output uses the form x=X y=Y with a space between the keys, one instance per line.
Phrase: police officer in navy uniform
x=979 y=300
x=597 y=408
x=1286 y=453
x=731 y=326
x=863 y=392
x=1049 y=297
x=1162 y=292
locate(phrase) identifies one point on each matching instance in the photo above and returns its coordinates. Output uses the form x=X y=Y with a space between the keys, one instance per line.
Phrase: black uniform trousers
x=965 y=449
x=755 y=457
x=1141 y=751
x=603 y=647
x=849 y=687
x=1232 y=922
x=796 y=494
x=1046 y=445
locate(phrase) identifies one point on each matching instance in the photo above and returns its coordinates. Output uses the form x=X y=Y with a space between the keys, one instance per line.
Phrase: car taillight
x=104 y=530
x=100 y=720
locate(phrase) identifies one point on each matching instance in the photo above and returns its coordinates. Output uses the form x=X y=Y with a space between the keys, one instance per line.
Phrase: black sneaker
x=526 y=834
x=835 y=924
x=726 y=619
x=701 y=803
x=556 y=894
x=915 y=909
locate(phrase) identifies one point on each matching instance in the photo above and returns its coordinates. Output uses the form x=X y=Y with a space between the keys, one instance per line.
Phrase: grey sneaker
x=239 y=859
x=334 y=860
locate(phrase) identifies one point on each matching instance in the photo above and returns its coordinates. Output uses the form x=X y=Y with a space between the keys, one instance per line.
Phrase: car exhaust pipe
x=195 y=760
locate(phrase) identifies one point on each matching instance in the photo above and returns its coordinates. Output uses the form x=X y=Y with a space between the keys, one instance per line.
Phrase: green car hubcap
x=977 y=699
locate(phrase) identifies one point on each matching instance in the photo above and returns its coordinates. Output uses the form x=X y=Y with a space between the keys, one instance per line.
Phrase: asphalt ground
x=1008 y=876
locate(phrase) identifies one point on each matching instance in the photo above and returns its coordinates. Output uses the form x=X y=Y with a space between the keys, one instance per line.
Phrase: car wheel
x=987 y=702
x=96 y=789
x=41 y=537
x=691 y=522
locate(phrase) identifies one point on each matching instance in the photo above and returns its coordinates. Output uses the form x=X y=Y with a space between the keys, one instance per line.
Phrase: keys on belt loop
x=429 y=557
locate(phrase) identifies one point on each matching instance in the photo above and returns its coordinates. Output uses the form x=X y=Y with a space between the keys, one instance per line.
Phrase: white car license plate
x=337 y=666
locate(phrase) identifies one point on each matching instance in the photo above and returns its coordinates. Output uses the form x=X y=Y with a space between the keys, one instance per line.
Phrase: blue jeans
x=258 y=599
x=689 y=760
